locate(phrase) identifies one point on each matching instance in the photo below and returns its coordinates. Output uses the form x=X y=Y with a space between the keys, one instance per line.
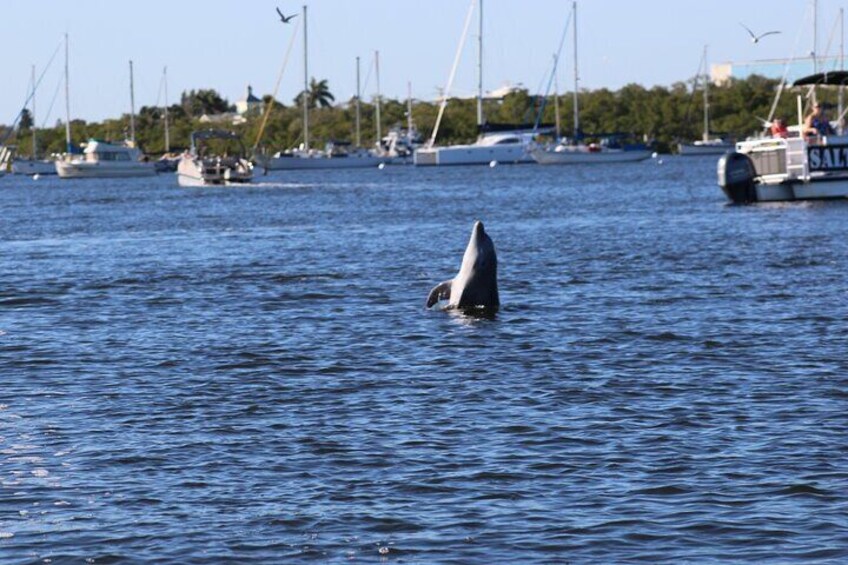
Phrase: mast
x=132 y=106
x=167 y=132
x=377 y=70
x=32 y=116
x=67 y=102
x=706 y=99
x=480 y=68
x=305 y=88
x=358 y=136
x=556 y=99
x=841 y=66
x=409 y=107
x=576 y=78
x=815 y=37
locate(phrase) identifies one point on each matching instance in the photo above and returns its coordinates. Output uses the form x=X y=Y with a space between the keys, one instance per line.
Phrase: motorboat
x=795 y=167
x=496 y=146
x=101 y=159
x=216 y=157
x=607 y=150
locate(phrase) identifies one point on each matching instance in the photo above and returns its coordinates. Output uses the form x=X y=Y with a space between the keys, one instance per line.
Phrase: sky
x=228 y=44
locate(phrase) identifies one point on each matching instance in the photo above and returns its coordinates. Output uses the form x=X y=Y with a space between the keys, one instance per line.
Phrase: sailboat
x=33 y=165
x=336 y=154
x=495 y=143
x=101 y=159
x=706 y=145
x=609 y=149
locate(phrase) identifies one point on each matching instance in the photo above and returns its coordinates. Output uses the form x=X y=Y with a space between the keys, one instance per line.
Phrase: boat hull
x=544 y=157
x=689 y=149
x=33 y=167
x=96 y=170
x=471 y=155
x=291 y=163
x=194 y=172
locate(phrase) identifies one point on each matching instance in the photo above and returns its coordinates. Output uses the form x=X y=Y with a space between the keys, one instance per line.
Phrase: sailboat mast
x=556 y=100
x=167 y=131
x=132 y=105
x=841 y=65
x=305 y=87
x=706 y=99
x=32 y=116
x=358 y=134
x=377 y=71
x=67 y=101
x=815 y=37
x=409 y=107
x=576 y=77
x=480 y=68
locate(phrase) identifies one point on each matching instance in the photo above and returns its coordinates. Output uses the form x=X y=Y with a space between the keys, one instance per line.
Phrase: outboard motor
x=736 y=174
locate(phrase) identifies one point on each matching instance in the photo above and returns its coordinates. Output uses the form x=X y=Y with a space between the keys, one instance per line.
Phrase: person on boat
x=778 y=128
x=816 y=123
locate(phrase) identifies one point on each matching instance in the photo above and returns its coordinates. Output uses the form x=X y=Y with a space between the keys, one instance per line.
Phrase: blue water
x=249 y=374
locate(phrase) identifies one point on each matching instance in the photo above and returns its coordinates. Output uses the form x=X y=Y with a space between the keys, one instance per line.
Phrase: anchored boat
x=216 y=157
x=795 y=167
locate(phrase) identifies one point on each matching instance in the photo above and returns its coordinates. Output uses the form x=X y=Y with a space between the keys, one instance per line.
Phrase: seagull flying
x=754 y=37
x=285 y=19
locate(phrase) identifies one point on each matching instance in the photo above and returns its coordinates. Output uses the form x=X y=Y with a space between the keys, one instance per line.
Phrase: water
x=248 y=374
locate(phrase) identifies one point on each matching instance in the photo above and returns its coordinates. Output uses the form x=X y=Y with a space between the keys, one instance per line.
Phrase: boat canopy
x=832 y=78
x=492 y=127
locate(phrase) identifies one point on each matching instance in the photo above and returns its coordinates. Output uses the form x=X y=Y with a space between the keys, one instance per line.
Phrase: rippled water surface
x=249 y=374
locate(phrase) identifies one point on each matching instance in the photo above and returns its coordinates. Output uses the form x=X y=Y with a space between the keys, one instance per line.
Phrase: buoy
x=381 y=166
x=493 y=164
x=36 y=176
x=659 y=162
x=654 y=155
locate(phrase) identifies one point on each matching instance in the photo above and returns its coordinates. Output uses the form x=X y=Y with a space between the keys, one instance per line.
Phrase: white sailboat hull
x=705 y=149
x=581 y=157
x=33 y=167
x=471 y=155
x=294 y=162
x=95 y=170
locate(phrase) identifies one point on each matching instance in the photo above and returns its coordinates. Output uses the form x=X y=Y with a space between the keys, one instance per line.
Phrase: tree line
x=663 y=115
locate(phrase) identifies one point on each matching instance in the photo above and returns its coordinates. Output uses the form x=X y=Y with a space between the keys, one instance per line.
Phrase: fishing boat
x=216 y=157
x=608 y=148
x=707 y=145
x=795 y=167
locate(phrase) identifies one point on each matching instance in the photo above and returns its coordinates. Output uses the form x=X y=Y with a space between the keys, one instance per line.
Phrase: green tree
x=319 y=95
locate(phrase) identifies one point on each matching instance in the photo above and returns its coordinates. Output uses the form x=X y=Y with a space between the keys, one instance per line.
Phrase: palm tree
x=319 y=94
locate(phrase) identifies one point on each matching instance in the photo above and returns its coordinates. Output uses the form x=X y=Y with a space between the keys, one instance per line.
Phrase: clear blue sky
x=227 y=44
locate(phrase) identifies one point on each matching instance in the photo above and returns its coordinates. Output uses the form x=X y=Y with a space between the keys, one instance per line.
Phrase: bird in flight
x=285 y=19
x=754 y=37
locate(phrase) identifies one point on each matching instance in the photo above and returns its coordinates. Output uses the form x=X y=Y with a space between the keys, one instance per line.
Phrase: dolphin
x=475 y=287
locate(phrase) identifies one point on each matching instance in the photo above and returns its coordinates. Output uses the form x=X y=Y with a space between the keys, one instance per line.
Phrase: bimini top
x=833 y=78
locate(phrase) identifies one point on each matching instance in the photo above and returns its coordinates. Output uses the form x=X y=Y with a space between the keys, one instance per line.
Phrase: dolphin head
x=478 y=276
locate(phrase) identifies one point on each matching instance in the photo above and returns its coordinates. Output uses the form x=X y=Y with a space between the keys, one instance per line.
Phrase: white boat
x=101 y=159
x=494 y=143
x=216 y=157
x=706 y=145
x=578 y=154
x=776 y=169
x=501 y=147
x=609 y=149
x=709 y=146
x=23 y=166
